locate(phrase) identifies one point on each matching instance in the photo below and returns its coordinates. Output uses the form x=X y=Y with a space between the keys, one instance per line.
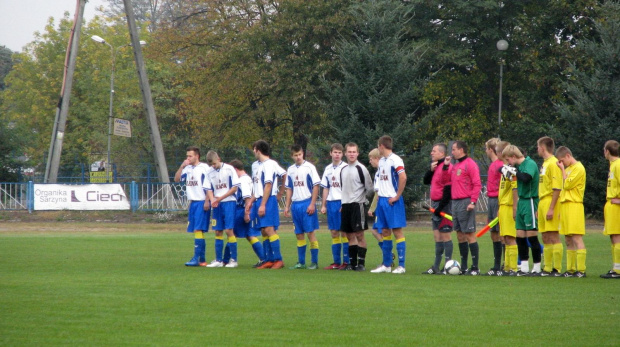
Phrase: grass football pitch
x=125 y=285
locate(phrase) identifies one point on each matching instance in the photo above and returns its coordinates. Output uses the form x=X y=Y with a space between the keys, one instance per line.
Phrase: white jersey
x=263 y=173
x=244 y=191
x=221 y=180
x=389 y=169
x=331 y=181
x=301 y=180
x=194 y=178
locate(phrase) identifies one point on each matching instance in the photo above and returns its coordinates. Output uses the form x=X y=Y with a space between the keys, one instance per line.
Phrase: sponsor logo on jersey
x=221 y=186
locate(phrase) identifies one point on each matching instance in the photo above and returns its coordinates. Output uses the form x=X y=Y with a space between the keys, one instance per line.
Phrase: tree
x=6 y=64
x=590 y=112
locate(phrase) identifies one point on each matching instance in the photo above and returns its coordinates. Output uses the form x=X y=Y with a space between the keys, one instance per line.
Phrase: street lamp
x=113 y=51
x=501 y=45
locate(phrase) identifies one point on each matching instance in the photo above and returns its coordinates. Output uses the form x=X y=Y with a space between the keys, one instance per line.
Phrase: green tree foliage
x=6 y=64
x=591 y=113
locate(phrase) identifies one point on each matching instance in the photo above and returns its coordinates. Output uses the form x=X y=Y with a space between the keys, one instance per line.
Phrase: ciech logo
x=95 y=195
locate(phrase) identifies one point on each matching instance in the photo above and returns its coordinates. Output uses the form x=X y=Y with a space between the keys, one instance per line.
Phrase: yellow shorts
x=544 y=224
x=572 y=219
x=507 y=226
x=612 y=219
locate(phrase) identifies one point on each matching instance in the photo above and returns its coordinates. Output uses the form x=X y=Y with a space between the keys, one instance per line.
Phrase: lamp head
x=502 y=45
x=98 y=39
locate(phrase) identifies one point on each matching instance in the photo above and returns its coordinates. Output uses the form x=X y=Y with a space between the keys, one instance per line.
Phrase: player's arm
x=554 y=199
x=266 y=195
x=515 y=201
x=476 y=186
x=230 y=192
x=248 y=207
x=315 y=194
x=324 y=200
x=445 y=199
x=402 y=180
x=179 y=173
x=287 y=204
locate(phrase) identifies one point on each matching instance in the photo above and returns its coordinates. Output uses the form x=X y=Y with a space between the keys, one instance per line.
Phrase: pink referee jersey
x=493 y=178
x=466 y=180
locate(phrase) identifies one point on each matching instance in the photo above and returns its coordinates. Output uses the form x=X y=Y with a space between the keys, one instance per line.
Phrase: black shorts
x=353 y=218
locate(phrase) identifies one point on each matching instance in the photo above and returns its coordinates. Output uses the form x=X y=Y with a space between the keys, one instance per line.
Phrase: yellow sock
x=265 y=238
x=387 y=238
x=571 y=260
x=558 y=254
x=199 y=235
x=219 y=237
x=274 y=238
x=253 y=240
x=400 y=240
x=617 y=258
x=344 y=239
x=548 y=256
x=512 y=256
x=301 y=243
x=314 y=245
x=336 y=240
x=581 y=260
x=506 y=258
x=232 y=239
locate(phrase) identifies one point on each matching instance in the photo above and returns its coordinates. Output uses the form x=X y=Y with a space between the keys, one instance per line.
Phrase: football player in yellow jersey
x=612 y=206
x=549 y=189
x=507 y=200
x=572 y=216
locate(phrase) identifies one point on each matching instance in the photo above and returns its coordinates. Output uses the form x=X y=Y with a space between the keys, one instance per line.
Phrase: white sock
x=525 y=266
x=536 y=267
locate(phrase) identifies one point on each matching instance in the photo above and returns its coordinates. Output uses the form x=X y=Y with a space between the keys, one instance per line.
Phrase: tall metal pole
x=108 y=167
x=499 y=116
x=158 y=153
x=53 y=160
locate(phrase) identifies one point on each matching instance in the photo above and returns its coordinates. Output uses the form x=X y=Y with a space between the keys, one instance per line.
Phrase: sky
x=19 y=19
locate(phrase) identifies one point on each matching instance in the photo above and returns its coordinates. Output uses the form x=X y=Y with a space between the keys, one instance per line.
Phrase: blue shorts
x=243 y=229
x=224 y=215
x=304 y=223
x=198 y=218
x=390 y=216
x=272 y=214
x=334 y=216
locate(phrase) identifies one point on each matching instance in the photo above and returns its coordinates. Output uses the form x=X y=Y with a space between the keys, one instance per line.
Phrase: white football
x=453 y=267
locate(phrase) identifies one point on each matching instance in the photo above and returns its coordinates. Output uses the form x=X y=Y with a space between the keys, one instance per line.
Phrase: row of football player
x=527 y=200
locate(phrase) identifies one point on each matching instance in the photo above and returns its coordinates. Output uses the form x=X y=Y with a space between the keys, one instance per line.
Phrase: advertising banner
x=82 y=197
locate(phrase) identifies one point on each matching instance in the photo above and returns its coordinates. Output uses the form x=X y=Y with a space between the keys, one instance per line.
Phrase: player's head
x=459 y=149
x=213 y=159
x=565 y=155
x=336 y=152
x=512 y=154
x=193 y=155
x=262 y=147
x=385 y=143
x=297 y=153
x=546 y=146
x=490 y=146
x=237 y=165
x=499 y=148
x=373 y=156
x=351 y=151
x=611 y=149
x=439 y=151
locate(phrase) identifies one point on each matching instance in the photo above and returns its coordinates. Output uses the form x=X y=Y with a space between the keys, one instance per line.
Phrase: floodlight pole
x=501 y=45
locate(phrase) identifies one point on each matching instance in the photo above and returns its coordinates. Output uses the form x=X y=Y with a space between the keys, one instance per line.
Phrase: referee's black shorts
x=353 y=218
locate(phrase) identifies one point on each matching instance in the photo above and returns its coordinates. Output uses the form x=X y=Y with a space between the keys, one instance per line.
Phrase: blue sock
x=314 y=255
x=200 y=247
x=233 y=250
x=274 y=241
x=226 y=258
x=401 y=250
x=219 y=248
x=387 y=252
x=345 y=252
x=267 y=249
x=301 y=254
x=258 y=249
x=336 y=249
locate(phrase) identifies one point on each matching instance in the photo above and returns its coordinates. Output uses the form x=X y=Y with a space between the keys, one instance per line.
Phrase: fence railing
x=153 y=196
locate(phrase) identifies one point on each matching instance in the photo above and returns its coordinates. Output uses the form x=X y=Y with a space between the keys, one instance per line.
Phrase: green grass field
x=124 y=285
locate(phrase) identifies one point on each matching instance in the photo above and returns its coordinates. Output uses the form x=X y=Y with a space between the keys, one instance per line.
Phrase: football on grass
x=453 y=267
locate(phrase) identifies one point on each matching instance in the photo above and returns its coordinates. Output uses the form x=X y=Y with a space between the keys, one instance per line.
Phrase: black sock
x=361 y=255
x=439 y=247
x=536 y=257
x=464 y=248
x=497 y=254
x=523 y=249
x=353 y=255
x=475 y=252
x=448 y=249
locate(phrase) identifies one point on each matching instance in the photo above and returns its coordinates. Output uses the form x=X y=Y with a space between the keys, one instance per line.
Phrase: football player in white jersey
x=331 y=203
x=302 y=189
x=194 y=174
x=265 y=211
x=222 y=184
x=390 y=210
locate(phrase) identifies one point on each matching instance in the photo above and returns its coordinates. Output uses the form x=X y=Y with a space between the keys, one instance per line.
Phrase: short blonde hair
x=512 y=151
x=374 y=153
x=501 y=145
x=562 y=151
x=492 y=143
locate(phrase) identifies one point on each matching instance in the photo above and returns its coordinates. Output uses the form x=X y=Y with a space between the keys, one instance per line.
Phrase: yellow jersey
x=506 y=186
x=550 y=177
x=575 y=183
x=613 y=180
